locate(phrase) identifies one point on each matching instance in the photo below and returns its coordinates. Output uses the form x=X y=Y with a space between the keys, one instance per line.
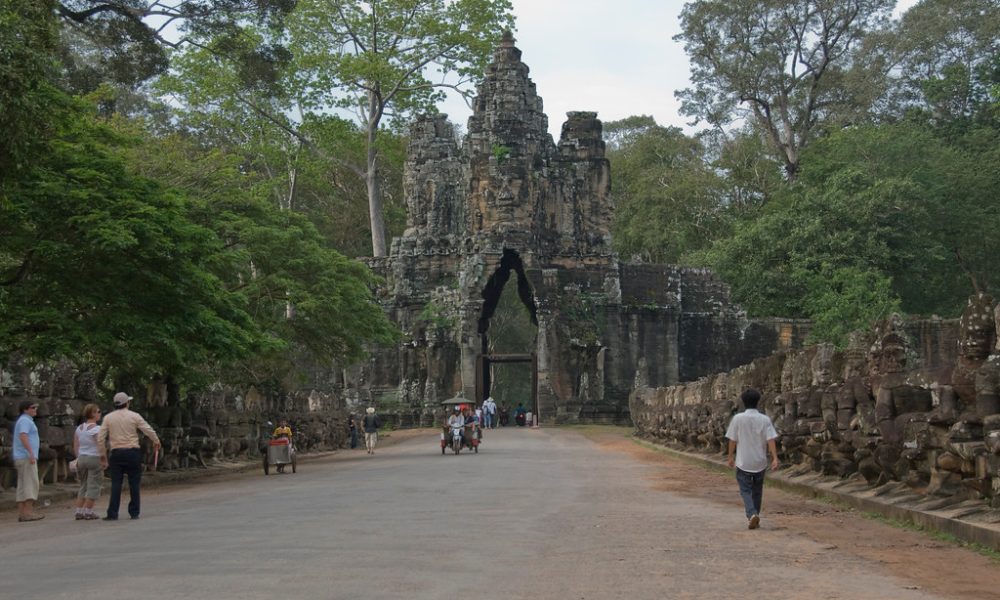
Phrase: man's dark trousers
x=125 y=461
x=751 y=490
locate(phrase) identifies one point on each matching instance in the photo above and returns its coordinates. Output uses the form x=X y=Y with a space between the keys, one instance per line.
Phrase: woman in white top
x=89 y=469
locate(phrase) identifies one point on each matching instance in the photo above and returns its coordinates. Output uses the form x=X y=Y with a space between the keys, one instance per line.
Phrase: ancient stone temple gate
x=512 y=205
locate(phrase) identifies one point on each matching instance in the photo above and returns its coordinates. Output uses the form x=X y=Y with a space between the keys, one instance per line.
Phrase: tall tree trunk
x=375 y=209
x=375 y=215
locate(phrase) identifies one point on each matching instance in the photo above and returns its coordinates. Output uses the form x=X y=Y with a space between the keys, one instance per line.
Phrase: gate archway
x=489 y=355
x=485 y=361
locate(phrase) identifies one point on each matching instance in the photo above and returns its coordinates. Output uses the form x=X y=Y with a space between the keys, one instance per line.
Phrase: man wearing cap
x=371 y=424
x=121 y=428
x=490 y=412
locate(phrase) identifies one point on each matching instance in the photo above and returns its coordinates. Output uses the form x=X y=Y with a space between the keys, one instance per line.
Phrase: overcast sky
x=617 y=58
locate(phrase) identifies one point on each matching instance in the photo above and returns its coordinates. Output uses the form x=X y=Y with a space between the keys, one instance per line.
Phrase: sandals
x=30 y=518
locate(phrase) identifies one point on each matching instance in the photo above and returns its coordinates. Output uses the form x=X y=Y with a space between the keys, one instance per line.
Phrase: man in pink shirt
x=121 y=430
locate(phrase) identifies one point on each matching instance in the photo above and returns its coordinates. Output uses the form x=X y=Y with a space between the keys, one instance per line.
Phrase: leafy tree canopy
x=788 y=65
x=117 y=270
x=883 y=217
x=948 y=58
x=100 y=261
x=667 y=196
x=129 y=39
x=28 y=39
x=385 y=60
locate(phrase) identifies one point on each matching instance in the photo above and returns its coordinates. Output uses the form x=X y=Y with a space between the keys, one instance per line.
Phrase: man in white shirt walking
x=490 y=412
x=751 y=435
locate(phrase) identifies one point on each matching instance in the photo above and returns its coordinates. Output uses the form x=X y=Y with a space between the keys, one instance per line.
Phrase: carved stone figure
x=987 y=384
x=855 y=406
x=824 y=390
x=977 y=336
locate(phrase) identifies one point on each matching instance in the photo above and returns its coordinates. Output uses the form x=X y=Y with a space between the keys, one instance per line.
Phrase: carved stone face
x=893 y=359
x=786 y=374
x=720 y=388
x=801 y=372
x=854 y=364
x=822 y=366
x=977 y=328
x=996 y=326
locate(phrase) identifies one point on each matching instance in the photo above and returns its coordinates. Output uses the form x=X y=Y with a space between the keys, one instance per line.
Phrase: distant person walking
x=121 y=428
x=352 y=427
x=520 y=414
x=371 y=424
x=490 y=413
x=25 y=448
x=89 y=466
x=751 y=435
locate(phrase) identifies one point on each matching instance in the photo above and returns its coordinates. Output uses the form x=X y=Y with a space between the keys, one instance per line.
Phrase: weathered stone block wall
x=917 y=402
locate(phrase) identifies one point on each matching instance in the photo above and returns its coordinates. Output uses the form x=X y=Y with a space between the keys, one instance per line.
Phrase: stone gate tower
x=510 y=204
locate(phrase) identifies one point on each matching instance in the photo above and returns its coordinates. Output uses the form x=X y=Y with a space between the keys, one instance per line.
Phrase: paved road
x=536 y=514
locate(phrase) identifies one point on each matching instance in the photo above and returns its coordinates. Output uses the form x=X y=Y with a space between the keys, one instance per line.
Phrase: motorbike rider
x=457 y=420
x=282 y=431
x=473 y=424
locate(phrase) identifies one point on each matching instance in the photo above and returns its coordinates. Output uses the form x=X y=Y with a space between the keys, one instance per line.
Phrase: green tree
x=140 y=31
x=305 y=296
x=310 y=161
x=28 y=39
x=948 y=59
x=882 y=217
x=123 y=273
x=952 y=247
x=105 y=267
x=789 y=66
x=622 y=133
x=389 y=59
x=667 y=196
x=750 y=173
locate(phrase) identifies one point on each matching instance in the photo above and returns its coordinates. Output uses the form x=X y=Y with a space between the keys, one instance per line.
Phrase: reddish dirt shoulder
x=934 y=565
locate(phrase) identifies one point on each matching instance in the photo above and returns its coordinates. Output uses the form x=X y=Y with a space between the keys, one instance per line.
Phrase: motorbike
x=456 y=439
x=451 y=437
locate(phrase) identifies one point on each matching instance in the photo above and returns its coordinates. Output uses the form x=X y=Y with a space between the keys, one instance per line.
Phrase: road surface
x=560 y=513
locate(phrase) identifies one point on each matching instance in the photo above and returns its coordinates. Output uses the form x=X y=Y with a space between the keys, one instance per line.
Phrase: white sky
x=617 y=58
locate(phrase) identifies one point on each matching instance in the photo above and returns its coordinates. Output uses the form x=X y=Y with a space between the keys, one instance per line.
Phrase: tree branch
x=21 y=271
x=305 y=141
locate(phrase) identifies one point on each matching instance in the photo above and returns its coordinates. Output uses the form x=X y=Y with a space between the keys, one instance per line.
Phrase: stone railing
x=915 y=402
x=218 y=425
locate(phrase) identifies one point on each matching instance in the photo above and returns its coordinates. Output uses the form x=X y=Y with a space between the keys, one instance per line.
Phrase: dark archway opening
x=510 y=261
x=508 y=329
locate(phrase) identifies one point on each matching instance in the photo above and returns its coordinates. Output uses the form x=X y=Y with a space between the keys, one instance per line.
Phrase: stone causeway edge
x=970 y=521
x=56 y=493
